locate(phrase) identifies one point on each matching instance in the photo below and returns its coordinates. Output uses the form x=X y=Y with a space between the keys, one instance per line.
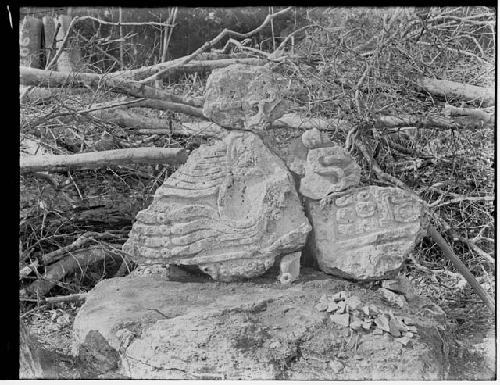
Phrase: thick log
x=44 y=78
x=151 y=155
x=448 y=88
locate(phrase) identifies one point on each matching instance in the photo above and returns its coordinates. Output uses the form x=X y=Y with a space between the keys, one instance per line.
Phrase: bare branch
x=208 y=45
x=151 y=155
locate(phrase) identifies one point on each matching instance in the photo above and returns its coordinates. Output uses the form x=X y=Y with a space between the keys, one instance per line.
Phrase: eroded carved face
x=244 y=97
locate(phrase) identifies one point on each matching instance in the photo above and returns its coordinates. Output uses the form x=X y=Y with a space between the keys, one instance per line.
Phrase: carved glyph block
x=231 y=209
x=327 y=170
x=365 y=233
x=244 y=97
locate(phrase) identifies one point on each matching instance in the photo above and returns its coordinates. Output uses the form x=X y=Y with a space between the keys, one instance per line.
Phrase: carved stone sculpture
x=244 y=97
x=365 y=233
x=230 y=210
x=327 y=170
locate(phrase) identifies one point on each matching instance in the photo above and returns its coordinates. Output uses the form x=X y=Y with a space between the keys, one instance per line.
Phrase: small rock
x=403 y=340
x=353 y=302
x=358 y=357
x=401 y=285
x=382 y=322
x=341 y=319
x=336 y=366
x=321 y=306
x=370 y=310
x=356 y=324
x=408 y=334
x=274 y=345
x=339 y=296
x=378 y=331
x=392 y=298
x=367 y=324
x=412 y=329
x=393 y=328
x=332 y=306
x=341 y=308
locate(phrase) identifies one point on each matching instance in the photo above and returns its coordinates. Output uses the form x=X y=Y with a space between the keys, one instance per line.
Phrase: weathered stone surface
x=365 y=233
x=244 y=97
x=295 y=156
x=328 y=170
x=183 y=330
x=314 y=138
x=231 y=209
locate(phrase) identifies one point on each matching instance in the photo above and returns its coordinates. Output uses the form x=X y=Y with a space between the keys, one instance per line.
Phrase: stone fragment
x=403 y=340
x=408 y=334
x=394 y=330
x=342 y=308
x=378 y=331
x=336 y=366
x=392 y=297
x=328 y=170
x=321 y=306
x=231 y=210
x=400 y=285
x=295 y=156
x=365 y=233
x=353 y=302
x=356 y=323
x=339 y=296
x=367 y=324
x=314 y=138
x=290 y=267
x=341 y=319
x=382 y=322
x=332 y=306
x=244 y=97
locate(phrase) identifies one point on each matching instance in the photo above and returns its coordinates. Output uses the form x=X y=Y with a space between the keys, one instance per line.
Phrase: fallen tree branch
x=66 y=298
x=44 y=78
x=448 y=88
x=450 y=110
x=459 y=265
x=191 y=67
x=70 y=263
x=209 y=44
x=151 y=155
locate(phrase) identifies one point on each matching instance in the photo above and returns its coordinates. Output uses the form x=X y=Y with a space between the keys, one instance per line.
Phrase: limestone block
x=327 y=170
x=290 y=267
x=231 y=209
x=246 y=331
x=365 y=233
x=244 y=97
